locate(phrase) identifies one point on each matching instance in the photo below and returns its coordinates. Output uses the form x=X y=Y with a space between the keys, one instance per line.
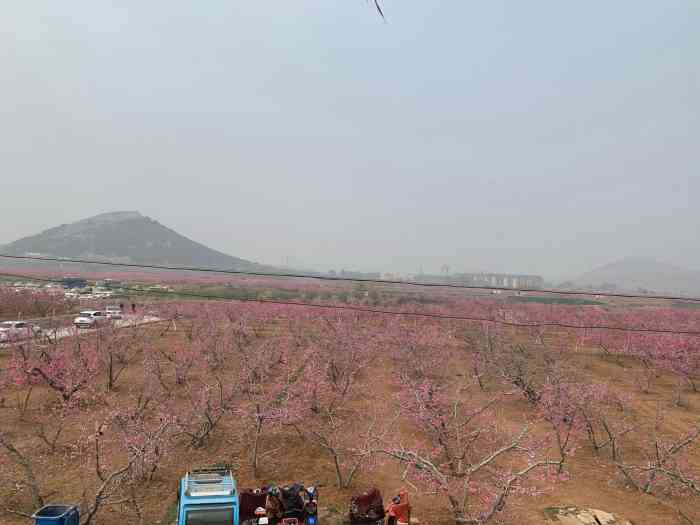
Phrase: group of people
x=368 y=509
x=274 y=506
x=298 y=504
x=280 y=501
x=133 y=307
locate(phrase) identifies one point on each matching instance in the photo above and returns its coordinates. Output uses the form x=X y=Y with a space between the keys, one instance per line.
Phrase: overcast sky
x=542 y=137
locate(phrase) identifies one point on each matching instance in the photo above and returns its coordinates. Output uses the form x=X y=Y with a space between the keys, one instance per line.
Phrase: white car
x=90 y=318
x=114 y=312
x=17 y=330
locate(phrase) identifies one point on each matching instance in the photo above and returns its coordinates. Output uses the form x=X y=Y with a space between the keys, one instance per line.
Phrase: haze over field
x=513 y=137
x=131 y=238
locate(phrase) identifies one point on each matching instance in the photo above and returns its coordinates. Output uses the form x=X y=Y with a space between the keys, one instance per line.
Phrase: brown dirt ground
x=593 y=483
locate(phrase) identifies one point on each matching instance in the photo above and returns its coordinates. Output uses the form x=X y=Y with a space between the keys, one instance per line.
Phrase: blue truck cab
x=208 y=497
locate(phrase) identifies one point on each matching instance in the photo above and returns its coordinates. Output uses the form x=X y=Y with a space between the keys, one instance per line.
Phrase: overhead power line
x=383 y=311
x=348 y=279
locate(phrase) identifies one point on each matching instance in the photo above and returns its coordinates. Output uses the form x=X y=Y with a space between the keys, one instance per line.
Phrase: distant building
x=499 y=280
x=344 y=274
x=112 y=284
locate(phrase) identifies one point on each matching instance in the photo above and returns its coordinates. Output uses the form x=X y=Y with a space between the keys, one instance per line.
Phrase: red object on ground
x=249 y=501
x=401 y=511
x=367 y=507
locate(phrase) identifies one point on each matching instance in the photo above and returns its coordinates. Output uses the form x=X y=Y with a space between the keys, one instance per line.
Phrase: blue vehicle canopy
x=208 y=497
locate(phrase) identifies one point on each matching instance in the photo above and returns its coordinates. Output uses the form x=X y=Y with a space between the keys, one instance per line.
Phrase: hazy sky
x=544 y=137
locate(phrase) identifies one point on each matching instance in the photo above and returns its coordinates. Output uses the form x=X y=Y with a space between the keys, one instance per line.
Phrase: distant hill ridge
x=125 y=236
x=634 y=273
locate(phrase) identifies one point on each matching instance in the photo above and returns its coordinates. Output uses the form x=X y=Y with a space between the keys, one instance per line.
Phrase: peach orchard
x=120 y=411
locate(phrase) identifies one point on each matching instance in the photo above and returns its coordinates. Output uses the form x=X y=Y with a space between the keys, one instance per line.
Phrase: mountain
x=633 y=274
x=124 y=236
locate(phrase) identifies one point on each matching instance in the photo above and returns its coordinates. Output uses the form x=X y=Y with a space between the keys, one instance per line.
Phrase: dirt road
x=55 y=334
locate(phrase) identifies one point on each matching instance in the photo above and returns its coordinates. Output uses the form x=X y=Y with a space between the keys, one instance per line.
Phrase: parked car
x=90 y=318
x=17 y=330
x=114 y=312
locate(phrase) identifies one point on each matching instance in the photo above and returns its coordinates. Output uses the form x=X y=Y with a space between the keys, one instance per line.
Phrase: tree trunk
x=23 y=405
x=562 y=448
x=110 y=373
x=22 y=461
x=457 y=511
x=477 y=372
x=338 y=470
x=611 y=439
x=258 y=432
x=351 y=474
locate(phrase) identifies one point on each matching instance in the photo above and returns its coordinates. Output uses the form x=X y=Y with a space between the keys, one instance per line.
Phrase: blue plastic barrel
x=57 y=515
